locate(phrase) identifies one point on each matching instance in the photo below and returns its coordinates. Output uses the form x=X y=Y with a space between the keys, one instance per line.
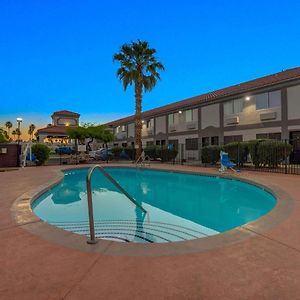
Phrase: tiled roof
x=66 y=113
x=53 y=129
x=265 y=81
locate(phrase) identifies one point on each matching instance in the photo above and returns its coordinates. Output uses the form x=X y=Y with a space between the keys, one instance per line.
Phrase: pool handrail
x=92 y=239
x=142 y=159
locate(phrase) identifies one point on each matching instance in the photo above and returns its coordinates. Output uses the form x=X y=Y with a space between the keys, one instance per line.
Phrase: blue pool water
x=180 y=206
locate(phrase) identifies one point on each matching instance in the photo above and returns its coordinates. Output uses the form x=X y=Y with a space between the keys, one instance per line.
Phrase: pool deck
x=266 y=265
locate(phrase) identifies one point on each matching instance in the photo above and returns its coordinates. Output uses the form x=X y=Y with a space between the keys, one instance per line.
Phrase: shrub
x=237 y=151
x=252 y=150
x=271 y=152
x=152 y=151
x=165 y=154
x=210 y=154
x=41 y=152
x=116 y=151
x=130 y=152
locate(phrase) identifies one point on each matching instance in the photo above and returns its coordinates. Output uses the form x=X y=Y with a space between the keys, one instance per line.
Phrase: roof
x=53 y=129
x=66 y=113
x=261 y=82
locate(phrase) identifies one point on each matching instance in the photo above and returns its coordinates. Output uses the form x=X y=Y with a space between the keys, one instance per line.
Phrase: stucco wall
x=250 y=134
x=293 y=97
x=210 y=116
x=160 y=125
x=131 y=130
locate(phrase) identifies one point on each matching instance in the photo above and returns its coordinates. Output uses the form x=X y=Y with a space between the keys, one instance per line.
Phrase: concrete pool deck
x=266 y=265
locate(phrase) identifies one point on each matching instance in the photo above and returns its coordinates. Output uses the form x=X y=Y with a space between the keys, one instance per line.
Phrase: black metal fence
x=277 y=156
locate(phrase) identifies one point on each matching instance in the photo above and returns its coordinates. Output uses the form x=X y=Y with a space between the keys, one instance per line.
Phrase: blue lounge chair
x=226 y=163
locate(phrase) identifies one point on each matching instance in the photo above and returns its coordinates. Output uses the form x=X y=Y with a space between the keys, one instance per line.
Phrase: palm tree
x=138 y=66
x=8 y=125
x=18 y=133
x=14 y=133
x=31 y=130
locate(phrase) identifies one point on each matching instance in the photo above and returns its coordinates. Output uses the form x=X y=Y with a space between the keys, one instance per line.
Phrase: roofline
x=214 y=99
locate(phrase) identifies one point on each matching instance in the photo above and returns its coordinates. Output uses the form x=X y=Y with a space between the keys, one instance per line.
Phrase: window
x=173 y=143
x=205 y=141
x=191 y=144
x=233 y=107
x=188 y=115
x=171 y=119
x=149 y=123
x=124 y=145
x=268 y=100
x=214 y=140
x=272 y=136
x=123 y=128
x=233 y=138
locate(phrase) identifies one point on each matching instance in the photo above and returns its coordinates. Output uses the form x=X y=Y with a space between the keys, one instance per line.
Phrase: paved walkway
x=265 y=266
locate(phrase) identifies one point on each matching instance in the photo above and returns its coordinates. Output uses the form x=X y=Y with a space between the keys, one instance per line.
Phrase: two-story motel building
x=267 y=107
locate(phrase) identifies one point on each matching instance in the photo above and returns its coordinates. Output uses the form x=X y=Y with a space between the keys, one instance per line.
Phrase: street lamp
x=19 y=120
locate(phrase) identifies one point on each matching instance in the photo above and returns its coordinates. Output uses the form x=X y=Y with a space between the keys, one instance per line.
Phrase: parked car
x=104 y=154
x=65 y=150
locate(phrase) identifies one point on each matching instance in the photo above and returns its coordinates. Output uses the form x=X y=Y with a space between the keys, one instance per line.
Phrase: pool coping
x=24 y=216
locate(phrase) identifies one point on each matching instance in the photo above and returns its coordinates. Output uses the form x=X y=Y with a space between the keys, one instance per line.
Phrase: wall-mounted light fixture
x=180 y=112
x=247 y=98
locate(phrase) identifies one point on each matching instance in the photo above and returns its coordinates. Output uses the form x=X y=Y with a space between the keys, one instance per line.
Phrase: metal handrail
x=92 y=239
x=143 y=159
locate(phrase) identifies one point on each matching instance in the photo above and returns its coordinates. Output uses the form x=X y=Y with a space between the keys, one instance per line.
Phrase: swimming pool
x=180 y=206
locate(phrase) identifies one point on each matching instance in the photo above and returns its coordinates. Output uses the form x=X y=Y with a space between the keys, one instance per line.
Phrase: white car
x=93 y=154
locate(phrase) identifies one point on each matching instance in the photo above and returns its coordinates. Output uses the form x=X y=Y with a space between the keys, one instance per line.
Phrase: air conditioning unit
x=268 y=116
x=172 y=128
x=232 y=121
x=191 y=126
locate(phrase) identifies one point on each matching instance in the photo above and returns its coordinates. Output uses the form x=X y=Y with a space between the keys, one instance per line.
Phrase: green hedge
x=41 y=152
x=163 y=153
x=263 y=153
x=271 y=153
x=130 y=151
x=237 y=151
x=210 y=154
x=116 y=151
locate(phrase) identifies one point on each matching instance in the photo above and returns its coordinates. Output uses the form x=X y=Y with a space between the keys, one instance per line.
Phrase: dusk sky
x=57 y=55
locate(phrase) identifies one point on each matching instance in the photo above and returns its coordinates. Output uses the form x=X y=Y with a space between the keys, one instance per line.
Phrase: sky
x=57 y=54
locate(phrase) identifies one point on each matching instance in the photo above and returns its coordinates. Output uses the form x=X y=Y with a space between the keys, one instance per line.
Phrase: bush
x=210 y=154
x=157 y=152
x=116 y=151
x=130 y=152
x=152 y=151
x=252 y=150
x=237 y=151
x=272 y=152
x=41 y=152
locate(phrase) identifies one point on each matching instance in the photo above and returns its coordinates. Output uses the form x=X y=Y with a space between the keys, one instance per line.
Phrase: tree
x=18 y=133
x=8 y=125
x=14 y=133
x=98 y=132
x=31 y=130
x=138 y=66
x=42 y=153
x=76 y=133
x=3 y=136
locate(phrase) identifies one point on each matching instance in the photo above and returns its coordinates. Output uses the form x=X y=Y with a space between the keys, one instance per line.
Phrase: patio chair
x=226 y=163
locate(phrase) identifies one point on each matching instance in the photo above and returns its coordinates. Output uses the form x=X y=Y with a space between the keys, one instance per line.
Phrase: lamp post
x=19 y=121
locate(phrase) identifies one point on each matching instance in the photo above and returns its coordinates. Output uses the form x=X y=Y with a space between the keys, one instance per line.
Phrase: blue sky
x=57 y=54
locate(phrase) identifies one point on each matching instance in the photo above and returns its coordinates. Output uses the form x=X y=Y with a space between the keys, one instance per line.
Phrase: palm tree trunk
x=138 y=117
